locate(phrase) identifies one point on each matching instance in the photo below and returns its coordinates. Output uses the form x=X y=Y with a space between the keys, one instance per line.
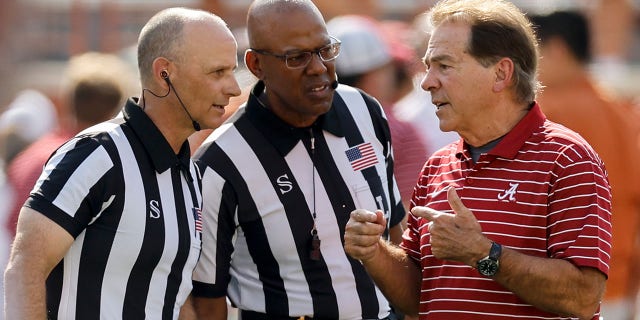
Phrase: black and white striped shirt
x=131 y=204
x=262 y=180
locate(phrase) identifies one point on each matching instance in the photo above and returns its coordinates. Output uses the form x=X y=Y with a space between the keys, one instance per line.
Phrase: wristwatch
x=489 y=265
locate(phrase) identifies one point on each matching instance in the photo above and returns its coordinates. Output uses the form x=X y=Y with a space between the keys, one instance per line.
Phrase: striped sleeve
x=67 y=181
x=211 y=276
x=580 y=210
x=383 y=133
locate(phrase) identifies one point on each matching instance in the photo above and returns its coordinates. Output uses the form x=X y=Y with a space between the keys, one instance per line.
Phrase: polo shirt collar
x=282 y=135
x=156 y=146
x=513 y=141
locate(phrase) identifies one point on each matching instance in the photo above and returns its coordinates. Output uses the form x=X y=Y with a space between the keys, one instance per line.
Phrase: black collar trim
x=156 y=146
x=282 y=135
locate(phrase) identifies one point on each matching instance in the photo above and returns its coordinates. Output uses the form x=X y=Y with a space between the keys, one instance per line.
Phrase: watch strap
x=495 y=252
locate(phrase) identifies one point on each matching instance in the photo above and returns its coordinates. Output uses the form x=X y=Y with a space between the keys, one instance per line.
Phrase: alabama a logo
x=510 y=193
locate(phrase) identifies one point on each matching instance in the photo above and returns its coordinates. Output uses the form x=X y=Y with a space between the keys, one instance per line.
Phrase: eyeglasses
x=297 y=60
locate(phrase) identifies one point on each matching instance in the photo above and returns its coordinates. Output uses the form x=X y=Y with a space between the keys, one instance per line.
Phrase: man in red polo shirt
x=514 y=220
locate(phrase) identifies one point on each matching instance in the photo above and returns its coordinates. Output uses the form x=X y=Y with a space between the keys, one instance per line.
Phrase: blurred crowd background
x=38 y=38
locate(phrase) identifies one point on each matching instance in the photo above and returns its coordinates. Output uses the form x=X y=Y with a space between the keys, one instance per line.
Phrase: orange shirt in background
x=612 y=129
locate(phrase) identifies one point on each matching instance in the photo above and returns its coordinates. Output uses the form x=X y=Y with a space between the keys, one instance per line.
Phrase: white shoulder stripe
x=83 y=178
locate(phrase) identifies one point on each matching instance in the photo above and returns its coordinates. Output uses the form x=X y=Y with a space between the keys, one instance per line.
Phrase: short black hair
x=571 y=27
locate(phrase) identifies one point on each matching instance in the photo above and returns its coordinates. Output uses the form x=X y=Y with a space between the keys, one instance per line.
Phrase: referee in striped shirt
x=282 y=176
x=112 y=228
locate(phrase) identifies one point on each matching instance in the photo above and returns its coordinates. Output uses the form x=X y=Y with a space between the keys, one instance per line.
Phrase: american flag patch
x=197 y=217
x=362 y=156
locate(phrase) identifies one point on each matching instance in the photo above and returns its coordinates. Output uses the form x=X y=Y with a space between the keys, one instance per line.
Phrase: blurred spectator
x=6 y=198
x=94 y=88
x=29 y=116
x=416 y=107
x=572 y=98
x=365 y=58
x=366 y=62
x=613 y=25
x=399 y=37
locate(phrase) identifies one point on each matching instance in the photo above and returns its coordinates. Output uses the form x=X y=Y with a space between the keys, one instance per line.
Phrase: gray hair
x=498 y=29
x=162 y=36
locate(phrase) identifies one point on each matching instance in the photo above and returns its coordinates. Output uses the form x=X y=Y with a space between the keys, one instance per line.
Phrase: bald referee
x=112 y=228
x=281 y=178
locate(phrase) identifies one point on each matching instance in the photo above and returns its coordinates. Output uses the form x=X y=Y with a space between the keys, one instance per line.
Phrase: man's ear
x=252 y=61
x=504 y=70
x=161 y=66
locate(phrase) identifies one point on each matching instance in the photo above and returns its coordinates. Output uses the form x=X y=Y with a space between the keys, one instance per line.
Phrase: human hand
x=456 y=237
x=363 y=233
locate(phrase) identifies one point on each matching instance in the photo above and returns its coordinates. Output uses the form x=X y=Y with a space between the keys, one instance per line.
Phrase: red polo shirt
x=542 y=191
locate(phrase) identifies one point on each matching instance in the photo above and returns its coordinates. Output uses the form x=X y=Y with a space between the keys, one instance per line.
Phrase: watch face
x=487 y=267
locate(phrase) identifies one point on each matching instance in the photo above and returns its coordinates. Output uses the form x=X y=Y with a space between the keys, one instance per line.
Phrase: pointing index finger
x=426 y=212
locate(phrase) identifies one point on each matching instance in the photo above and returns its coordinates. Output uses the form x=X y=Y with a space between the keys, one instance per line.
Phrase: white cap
x=30 y=115
x=363 y=49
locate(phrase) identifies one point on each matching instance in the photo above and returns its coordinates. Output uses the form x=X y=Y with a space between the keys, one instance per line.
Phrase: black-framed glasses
x=300 y=59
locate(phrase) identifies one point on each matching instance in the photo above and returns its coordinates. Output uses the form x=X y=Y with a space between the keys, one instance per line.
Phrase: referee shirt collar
x=282 y=135
x=157 y=148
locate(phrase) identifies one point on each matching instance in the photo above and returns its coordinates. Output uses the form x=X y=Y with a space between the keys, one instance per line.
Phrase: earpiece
x=165 y=75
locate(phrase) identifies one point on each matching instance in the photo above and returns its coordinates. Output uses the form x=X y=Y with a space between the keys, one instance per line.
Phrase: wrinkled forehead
x=449 y=38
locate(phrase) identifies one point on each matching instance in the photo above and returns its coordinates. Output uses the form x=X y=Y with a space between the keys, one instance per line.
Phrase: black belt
x=252 y=315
